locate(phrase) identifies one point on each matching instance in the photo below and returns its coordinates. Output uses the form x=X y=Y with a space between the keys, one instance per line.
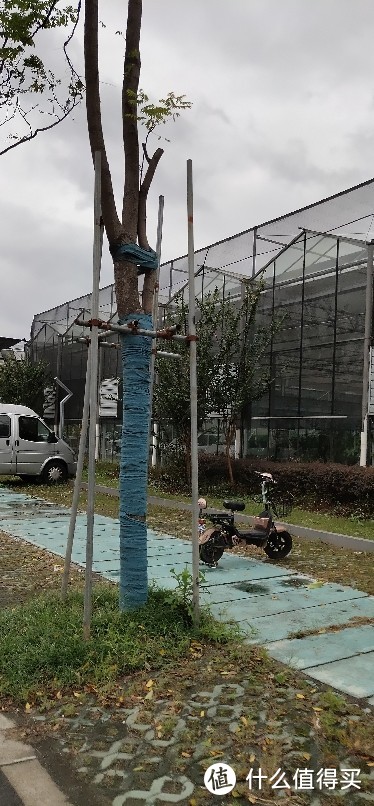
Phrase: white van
x=28 y=448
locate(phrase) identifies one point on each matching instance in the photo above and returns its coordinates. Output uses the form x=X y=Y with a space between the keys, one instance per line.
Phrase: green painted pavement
x=270 y=603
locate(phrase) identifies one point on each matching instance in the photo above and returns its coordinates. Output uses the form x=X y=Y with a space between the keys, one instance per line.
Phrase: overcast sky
x=283 y=115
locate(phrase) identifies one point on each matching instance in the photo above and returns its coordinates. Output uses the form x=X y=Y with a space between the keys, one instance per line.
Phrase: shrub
x=349 y=489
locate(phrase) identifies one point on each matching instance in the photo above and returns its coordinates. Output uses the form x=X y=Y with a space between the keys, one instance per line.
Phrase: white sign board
x=108 y=397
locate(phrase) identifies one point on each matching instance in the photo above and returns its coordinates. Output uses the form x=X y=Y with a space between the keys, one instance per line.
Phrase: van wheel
x=55 y=472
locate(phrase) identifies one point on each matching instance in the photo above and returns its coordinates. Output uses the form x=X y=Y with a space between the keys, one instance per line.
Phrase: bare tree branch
x=43 y=23
x=94 y=122
x=13 y=86
x=37 y=131
x=150 y=276
x=143 y=194
x=145 y=152
x=68 y=40
x=130 y=86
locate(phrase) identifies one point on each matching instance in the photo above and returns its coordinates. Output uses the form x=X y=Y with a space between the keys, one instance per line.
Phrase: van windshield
x=33 y=430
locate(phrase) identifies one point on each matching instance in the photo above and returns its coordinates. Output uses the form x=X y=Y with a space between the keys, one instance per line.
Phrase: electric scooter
x=274 y=540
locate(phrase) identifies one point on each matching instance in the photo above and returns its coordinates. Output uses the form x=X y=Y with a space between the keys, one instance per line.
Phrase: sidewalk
x=23 y=780
x=326 y=629
x=119 y=754
x=335 y=539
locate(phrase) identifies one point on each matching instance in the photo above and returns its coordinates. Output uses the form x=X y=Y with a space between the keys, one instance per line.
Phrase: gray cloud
x=282 y=115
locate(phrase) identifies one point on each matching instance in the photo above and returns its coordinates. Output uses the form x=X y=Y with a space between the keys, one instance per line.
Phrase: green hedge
x=347 y=490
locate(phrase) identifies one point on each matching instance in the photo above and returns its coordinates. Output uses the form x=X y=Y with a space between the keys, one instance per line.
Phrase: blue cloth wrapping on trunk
x=136 y=357
x=145 y=259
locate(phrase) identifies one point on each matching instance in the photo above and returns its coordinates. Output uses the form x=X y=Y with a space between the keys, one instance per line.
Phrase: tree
x=244 y=374
x=31 y=95
x=171 y=394
x=22 y=382
x=232 y=370
x=132 y=255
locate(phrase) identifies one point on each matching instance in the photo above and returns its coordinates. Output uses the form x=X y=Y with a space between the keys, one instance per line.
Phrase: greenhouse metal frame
x=317 y=284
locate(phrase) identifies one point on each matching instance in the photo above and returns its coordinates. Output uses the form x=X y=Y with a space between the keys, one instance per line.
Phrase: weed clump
x=42 y=646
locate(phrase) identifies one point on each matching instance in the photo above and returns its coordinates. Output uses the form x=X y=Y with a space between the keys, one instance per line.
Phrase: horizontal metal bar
x=305 y=417
x=335 y=236
x=86 y=340
x=163 y=354
x=168 y=333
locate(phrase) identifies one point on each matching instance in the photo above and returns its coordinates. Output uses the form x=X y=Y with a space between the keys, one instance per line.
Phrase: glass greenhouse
x=317 y=280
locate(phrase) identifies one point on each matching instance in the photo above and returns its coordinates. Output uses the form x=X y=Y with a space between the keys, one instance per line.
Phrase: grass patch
x=352 y=525
x=42 y=648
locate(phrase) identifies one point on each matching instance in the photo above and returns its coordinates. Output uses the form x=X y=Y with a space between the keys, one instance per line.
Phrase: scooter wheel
x=279 y=545
x=211 y=551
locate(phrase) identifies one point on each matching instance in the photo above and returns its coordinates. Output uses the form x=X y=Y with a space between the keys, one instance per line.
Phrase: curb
x=23 y=780
x=333 y=538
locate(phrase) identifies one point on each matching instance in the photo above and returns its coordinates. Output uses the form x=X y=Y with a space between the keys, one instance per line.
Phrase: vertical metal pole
x=301 y=335
x=58 y=373
x=367 y=345
x=77 y=482
x=239 y=436
x=193 y=393
x=155 y=444
x=97 y=428
x=335 y=331
x=155 y=315
x=254 y=251
x=97 y=249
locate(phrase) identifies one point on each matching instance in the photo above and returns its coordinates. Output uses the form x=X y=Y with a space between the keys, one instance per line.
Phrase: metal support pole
x=254 y=251
x=99 y=371
x=58 y=373
x=193 y=393
x=77 y=482
x=93 y=354
x=155 y=321
x=367 y=344
x=155 y=444
x=155 y=297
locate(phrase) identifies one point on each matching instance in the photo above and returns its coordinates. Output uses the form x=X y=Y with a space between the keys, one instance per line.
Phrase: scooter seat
x=235 y=506
x=254 y=533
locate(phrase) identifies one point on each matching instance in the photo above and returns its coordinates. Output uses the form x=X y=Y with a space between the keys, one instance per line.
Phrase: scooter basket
x=282 y=506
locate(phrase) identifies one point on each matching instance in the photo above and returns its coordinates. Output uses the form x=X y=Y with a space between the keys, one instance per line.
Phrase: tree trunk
x=136 y=356
x=136 y=350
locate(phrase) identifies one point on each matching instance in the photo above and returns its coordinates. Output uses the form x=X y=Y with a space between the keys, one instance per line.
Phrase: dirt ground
x=228 y=704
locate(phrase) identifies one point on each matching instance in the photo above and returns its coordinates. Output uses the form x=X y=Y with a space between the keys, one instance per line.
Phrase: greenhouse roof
x=280 y=245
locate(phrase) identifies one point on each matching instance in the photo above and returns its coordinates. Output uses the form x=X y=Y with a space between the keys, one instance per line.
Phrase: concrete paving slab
x=274 y=588
x=354 y=676
x=34 y=786
x=316 y=650
x=288 y=600
x=8 y=796
x=271 y=628
x=243 y=570
x=12 y=751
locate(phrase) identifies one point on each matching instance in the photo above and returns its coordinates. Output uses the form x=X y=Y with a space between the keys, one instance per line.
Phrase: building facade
x=316 y=268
